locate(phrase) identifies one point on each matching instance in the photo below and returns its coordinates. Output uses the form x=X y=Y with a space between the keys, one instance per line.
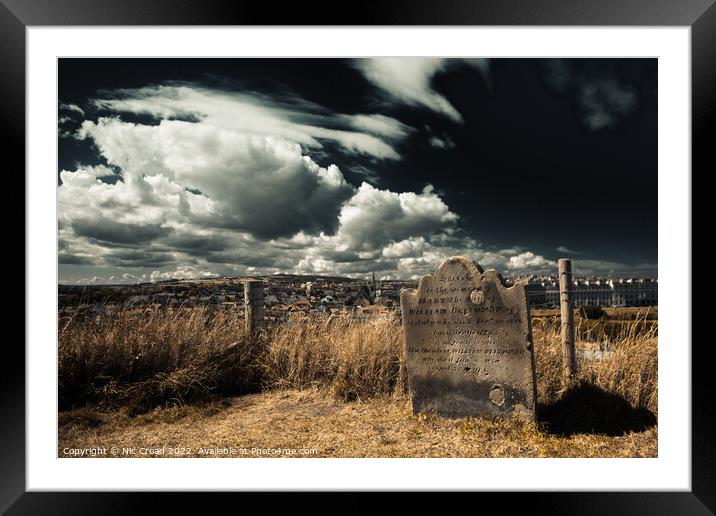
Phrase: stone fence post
x=253 y=305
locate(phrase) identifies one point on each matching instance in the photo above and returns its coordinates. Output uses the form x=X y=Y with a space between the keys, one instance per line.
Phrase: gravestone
x=468 y=344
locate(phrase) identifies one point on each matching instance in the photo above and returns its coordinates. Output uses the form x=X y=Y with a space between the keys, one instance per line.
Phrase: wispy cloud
x=444 y=142
x=72 y=108
x=288 y=117
x=566 y=250
x=409 y=80
x=606 y=102
x=602 y=99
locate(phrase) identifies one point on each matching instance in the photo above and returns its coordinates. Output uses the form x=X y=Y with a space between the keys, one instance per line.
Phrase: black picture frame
x=17 y=15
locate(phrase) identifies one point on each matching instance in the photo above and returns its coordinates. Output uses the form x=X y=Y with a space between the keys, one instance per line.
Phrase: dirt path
x=311 y=424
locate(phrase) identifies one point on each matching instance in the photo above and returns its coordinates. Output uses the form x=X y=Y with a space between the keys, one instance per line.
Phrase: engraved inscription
x=468 y=343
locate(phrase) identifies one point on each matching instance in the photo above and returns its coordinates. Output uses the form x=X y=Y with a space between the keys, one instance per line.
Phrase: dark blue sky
x=549 y=157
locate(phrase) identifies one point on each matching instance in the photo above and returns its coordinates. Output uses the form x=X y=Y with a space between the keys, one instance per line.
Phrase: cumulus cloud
x=529 y=261
x=106 y=230
x=202 y=197
x=199 y=193
x=259 y=184
x=409 y=248
x=374 y=217
x=181 y=272
x=395 y=234
x=409 y=80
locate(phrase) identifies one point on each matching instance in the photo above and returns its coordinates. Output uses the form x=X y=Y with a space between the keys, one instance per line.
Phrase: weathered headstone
x=468 y=343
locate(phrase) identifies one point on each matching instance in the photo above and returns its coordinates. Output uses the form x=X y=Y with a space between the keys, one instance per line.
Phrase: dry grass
x=177 y=355
x=313 y=419
x=353 y=359
x=130 y=377
x=630 y=370
x=145 y=358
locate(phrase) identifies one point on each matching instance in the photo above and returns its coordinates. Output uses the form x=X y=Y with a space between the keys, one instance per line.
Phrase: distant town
x=543 y=291
x=285 y=294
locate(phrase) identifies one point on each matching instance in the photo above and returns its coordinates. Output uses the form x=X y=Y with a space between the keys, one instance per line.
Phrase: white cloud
x=374 y=217
x=260 y=184
x=72 y=108
x=219 y=196
x=83 y=196
x=199 y=196
x=444 y=143
x=153 y=226
x=290 y=118
x=380 y=125
x=529 y=261
x=409 y=248
x=409 y=79
x=181 y=272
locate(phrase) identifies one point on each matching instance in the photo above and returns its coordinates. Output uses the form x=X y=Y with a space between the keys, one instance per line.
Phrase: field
x=189 y=382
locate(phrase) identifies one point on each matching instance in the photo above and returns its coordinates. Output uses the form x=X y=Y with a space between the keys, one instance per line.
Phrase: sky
x=197 y=168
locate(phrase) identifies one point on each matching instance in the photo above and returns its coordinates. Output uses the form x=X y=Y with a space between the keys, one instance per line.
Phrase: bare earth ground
x=307 y=423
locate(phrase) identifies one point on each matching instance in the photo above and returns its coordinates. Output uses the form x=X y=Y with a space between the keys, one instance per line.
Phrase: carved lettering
x=468 y=343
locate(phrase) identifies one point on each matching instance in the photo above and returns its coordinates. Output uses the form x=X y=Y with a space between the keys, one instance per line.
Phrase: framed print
x=420 y=247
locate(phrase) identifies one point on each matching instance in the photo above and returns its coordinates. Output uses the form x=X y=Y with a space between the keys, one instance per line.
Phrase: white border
x=671 y=470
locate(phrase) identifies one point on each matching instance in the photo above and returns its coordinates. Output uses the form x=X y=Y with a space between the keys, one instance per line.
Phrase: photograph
x=360 y=257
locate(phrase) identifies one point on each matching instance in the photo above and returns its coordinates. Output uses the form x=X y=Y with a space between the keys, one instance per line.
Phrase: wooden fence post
x=569 y=359
x=253 y=305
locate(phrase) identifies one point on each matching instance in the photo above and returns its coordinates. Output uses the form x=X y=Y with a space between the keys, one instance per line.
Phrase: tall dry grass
x=355 y=359
x=629 y=368
x=144 y=358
